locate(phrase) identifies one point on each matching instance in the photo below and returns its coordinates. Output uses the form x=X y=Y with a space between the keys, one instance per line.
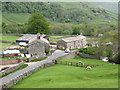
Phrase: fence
x=77 y=64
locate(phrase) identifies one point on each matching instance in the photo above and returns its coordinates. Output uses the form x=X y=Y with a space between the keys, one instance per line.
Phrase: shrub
x=89 y=50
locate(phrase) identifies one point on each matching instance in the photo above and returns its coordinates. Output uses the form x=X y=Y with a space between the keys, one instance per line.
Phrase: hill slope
x=113 y=6
x=57 y=12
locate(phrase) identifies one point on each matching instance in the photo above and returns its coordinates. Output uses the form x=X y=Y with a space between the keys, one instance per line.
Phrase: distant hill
x=113 y=6
x=18 y=12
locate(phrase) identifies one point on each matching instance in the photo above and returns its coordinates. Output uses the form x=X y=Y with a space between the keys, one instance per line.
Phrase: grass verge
x=35 y=60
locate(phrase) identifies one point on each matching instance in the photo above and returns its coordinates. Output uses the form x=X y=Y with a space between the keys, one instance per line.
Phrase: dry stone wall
x=10 y=61
x=11 y=69
x=15 y=77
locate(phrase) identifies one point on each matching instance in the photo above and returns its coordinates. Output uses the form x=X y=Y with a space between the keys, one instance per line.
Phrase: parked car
x=67 y=50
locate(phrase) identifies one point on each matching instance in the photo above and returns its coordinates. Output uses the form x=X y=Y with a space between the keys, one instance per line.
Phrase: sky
x=60 y=0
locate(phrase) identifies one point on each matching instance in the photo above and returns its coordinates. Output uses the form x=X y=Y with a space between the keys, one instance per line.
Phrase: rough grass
x=63 y=76
x=9 y=38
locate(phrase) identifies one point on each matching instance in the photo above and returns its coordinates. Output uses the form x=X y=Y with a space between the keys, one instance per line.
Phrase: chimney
x=81 y=34
x=38 y=35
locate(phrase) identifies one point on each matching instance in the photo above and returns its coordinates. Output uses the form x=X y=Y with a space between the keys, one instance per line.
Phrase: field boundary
x=77 y=64
x=15 y=77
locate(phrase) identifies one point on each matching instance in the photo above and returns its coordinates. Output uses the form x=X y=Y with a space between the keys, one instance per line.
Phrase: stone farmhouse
x=72 y=42
x=34 y=45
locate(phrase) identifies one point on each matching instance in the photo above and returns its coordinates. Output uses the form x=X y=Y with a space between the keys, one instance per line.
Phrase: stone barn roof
x=27 y=37
x=36 y=43
x=71 y=39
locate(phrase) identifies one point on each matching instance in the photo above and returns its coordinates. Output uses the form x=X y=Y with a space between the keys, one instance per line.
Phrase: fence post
x=77 y=64
x=66 y=62
x=60 y=62
x=44 y=65
x=55 y=61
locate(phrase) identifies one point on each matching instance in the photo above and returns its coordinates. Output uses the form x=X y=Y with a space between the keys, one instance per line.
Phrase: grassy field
x=4 y=44
x=9 y=38
x=7 y=58
x=15 y=18
x=63 y=76
x=57 y=38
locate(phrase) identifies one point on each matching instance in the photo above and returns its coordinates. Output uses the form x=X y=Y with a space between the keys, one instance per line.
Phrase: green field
x=7 y=58
x=4 y=44
x=9 y=38
x=15 y=18
x=64 y=76
x=57 y=38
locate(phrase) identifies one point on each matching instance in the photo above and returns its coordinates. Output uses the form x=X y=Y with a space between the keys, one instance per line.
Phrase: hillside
x=113 y=6
x=65 y=18
x=57 y=12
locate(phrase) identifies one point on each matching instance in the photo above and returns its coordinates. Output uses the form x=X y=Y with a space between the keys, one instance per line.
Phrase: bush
x=89 y=50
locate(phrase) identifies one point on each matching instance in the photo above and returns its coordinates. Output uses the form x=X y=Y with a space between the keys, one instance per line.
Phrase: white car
x=67 y=50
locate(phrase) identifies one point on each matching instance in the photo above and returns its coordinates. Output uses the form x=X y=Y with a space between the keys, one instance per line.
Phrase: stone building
x=36 y=49
x=32 y=44
x=72 y=42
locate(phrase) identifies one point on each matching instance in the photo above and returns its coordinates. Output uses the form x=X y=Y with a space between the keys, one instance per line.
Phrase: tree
x=76 y=30
x=38 y=24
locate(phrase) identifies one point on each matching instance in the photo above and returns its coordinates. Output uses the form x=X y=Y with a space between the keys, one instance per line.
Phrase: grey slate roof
x=35 y=43
x=27 y=37
x=73 y=38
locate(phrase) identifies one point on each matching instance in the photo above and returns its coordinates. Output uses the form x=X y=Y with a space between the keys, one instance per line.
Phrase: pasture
x=57 y=38
x=15 y=18
x=4 y=44
x=11 y=38
x=64 y=76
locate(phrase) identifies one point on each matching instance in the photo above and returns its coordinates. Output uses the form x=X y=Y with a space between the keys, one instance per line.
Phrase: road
x=11 y=76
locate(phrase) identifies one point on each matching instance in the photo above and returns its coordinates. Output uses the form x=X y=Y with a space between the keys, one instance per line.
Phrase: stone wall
x=10 y=61
x=37 y=49
x=70 y=55
x=15 y=77
x=10 y=69
x=2 y=41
